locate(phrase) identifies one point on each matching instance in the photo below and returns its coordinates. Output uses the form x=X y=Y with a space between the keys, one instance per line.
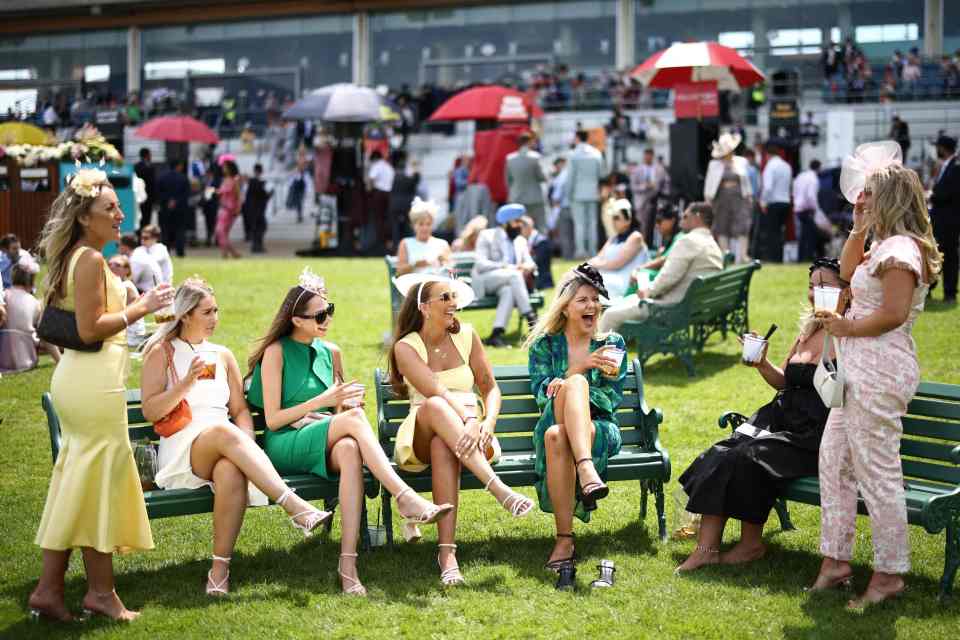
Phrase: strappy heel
x=355 y=589
x=559 y=563
x=314 y=517
x=516 y=504
x=409 y=529
x=218 y=588
x=450 y=577
x=592 y=491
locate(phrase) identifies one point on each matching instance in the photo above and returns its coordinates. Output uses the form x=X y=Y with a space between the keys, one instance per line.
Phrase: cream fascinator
x=413 y=283
x=726 y=144
x=88 y=182
x=423 y=207
x=309 y=281
x=866 y=160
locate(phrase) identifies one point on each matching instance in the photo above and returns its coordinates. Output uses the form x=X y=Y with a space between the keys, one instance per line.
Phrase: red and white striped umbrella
x=697 y=62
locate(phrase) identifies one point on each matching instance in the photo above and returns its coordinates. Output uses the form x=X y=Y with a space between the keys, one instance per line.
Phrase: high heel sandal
x=409 y=529
x=314 y=517
x=592 y=491
x=355 y=589
x=450 y=577
x=516 y=504
x=559 y=563
x=217 y=588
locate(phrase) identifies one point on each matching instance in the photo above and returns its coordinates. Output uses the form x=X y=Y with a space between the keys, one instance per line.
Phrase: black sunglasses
x=321 y=316
x=446 y=296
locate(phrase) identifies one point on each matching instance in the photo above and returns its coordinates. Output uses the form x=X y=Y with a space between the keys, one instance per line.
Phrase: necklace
x=436 y=349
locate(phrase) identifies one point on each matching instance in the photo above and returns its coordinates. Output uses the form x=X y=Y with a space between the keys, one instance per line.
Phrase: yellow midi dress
x=95 y=499
x=459 y=380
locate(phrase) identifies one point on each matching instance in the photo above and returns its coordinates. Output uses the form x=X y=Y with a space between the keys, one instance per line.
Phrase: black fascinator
x=586 y=274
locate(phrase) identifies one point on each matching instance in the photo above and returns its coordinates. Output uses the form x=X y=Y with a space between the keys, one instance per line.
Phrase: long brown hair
x=294 y=304
x=410 y=320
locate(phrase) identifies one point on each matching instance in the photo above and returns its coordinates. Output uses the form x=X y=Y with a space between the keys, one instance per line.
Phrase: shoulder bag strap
x=168 y=350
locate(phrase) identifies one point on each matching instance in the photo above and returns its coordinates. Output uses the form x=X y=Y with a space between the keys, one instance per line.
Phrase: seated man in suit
x=695 y=254
x=541 y=248
x=502 y=265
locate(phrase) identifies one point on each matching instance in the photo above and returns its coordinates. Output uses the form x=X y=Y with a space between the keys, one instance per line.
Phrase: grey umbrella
x=337 y=103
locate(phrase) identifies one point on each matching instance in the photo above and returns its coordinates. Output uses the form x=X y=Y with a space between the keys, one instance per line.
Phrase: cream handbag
x=827 y=380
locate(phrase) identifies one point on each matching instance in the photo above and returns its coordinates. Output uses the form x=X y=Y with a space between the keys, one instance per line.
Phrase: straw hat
x=725 y=144
x=412 y=283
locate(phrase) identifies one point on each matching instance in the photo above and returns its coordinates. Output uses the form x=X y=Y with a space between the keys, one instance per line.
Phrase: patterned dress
x=861 y=442
x=548 y=359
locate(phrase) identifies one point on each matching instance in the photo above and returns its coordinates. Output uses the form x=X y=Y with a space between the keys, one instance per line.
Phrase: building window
x=876 y=33
x=791 y=42
x=742 y=41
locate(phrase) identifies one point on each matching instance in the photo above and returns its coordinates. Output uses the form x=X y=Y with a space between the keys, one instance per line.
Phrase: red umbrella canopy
x=177 y=129
x=491 y=102
x=697 y=62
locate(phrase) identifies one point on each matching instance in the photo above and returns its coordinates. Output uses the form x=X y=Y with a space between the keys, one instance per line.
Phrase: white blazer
x=715 y=175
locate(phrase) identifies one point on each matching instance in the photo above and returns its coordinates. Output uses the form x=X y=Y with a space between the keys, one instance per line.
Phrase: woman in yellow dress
x=95 y=501
x=437 y=362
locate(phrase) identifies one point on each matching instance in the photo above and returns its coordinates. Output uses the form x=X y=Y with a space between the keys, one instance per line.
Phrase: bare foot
x=833 y=573
x=108 y=604
x=701 y=556
x=882 y=586
x=49 y=604
x=741 y=553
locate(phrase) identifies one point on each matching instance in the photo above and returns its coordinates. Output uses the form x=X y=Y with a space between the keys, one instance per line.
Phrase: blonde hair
x=189 y=294
x=421 y=209
x=554 y=319
x=60 y=233
x=899 y=209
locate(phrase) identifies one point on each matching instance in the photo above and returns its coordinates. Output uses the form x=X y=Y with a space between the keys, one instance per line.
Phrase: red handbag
x=181 y=415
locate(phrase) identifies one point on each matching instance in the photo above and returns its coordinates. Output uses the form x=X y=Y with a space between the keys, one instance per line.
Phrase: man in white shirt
x=806 y=186
x=774 y=203
x=379 y=183
x=145 y=272
x=150 y=242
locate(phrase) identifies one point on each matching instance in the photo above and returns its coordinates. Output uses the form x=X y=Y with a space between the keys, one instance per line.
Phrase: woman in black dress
x=740 y=477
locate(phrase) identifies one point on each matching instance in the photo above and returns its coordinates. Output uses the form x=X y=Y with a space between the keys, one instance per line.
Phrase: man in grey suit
x=524 y=177
x=583 y=190
x=694 y=254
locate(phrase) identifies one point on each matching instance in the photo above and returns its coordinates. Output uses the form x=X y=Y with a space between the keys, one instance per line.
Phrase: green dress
x=548 y=360
x=653 y=272
x=307 y=372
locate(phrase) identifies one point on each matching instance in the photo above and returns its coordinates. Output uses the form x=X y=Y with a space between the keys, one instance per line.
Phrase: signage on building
x=785 y=120
x=696 y=100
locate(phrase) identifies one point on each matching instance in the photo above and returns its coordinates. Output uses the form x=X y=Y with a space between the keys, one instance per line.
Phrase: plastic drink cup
x=209 y=371
x=164 y=314
x=352 y=403
x=826 y=298
x=643 y=280
x=752 y=348
x=613 y=357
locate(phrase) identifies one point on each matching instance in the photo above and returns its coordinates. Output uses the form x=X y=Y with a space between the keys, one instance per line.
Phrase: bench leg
x=329 y=504
x=643 y=500
x=661 y=511
x=387 y=517
x=951 y=561
x=364 y=527
x=785 y=524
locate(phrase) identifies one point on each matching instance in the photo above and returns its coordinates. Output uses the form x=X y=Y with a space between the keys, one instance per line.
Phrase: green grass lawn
x=284 y=587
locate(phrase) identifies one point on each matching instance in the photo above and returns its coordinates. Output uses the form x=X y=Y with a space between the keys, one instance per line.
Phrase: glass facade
x=490 y=43
x=951 y=27
x=317 y=48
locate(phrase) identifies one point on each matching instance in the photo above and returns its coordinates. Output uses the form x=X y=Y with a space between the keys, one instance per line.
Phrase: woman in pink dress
x=860 y=449
x=229 y=193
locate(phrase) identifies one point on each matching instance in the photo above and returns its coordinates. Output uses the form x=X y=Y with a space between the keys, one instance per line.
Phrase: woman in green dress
x=667 y=225
x=578 y=385
x=315 y=420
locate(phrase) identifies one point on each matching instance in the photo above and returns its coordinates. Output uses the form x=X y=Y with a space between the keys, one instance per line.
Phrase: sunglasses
x=321 y=316
x=446 y=296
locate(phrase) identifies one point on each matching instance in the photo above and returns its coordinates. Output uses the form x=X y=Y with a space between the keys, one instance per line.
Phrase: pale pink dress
x=860 y=449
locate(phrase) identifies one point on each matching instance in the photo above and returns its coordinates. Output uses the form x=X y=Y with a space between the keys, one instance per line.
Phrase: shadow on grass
x=670 y=371
x=939 y=306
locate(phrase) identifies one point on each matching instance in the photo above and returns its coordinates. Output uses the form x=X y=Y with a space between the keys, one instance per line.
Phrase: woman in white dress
x=217 y=447
x=422 y=252
x=622 y=253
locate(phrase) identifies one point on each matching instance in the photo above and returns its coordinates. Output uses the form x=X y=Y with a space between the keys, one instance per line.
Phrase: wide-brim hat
x=726 y=144
x=411 y=284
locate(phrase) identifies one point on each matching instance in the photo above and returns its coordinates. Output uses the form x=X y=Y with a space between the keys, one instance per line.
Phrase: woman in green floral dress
x=578 y=387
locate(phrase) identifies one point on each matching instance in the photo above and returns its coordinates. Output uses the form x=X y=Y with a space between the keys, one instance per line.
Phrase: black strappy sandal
x=590 y=493
x=556 y=565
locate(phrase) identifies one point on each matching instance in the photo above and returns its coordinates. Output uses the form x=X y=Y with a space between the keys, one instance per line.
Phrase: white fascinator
x=866 y=160
x=412 y=283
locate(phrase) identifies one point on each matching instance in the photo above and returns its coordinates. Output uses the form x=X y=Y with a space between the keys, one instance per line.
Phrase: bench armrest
x=731 y=419
x=955 y=454
x=651 y=419
x=941 y=511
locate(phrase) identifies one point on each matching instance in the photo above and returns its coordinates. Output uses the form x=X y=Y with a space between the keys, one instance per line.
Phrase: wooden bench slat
x=916 y=426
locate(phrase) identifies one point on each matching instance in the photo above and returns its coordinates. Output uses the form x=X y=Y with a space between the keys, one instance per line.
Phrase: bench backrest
x=719 y=293
x=519 y=412
x=930 y=447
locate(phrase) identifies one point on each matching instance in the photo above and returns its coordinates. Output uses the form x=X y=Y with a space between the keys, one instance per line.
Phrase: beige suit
x=695 y=254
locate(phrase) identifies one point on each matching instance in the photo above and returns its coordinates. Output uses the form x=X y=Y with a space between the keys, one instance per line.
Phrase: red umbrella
x=697 y=62
x=490 y=102
x=177 y=129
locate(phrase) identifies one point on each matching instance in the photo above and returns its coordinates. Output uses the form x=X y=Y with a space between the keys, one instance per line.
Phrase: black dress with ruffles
x=741 y=477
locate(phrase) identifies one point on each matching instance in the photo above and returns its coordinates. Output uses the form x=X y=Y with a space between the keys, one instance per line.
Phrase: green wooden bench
x=641 y=458
x=168 y=503
x=462 y=267
x=715 y=302
x=930 y=455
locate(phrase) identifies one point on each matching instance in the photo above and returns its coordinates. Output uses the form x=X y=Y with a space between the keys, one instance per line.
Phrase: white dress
x=618 y=281
x=208 y=404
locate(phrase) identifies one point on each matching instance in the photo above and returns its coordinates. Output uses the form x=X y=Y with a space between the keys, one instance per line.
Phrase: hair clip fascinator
x=867 y=159
x=585 y=273
x=309 y=281
x=414 y=282
x=423 y=206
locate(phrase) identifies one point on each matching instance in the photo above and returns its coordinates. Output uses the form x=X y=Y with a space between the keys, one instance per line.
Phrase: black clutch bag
x=59 y=326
